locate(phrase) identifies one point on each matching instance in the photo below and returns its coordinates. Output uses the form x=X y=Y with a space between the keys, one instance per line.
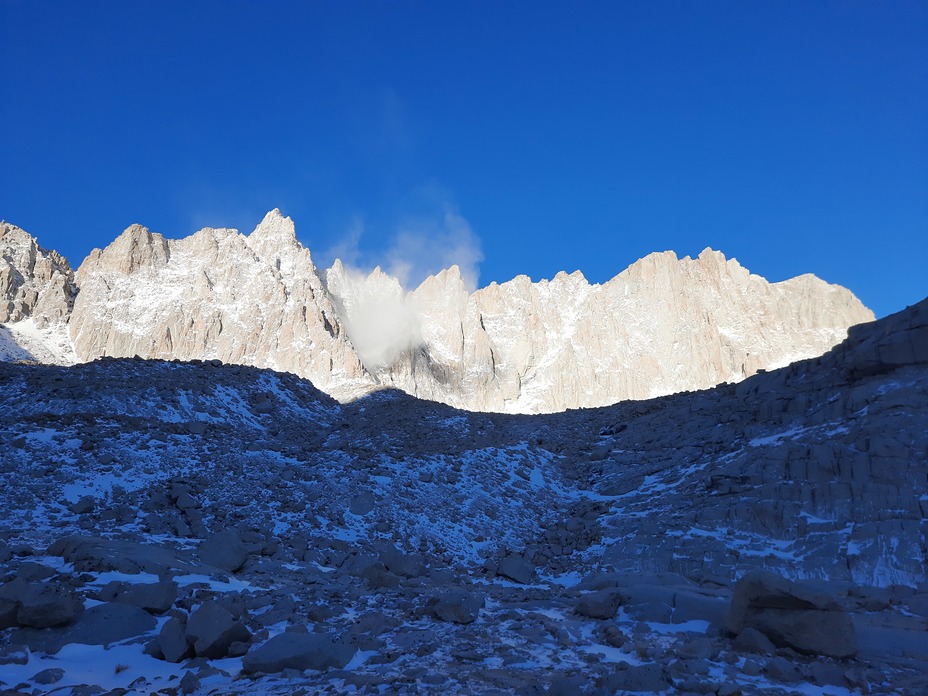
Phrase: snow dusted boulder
x=792 y=615
x=14 y=655
x=172 y=640
x=516 y=568
x=109 y=623
x=751 y=640
x=40 y=605
x=599 y=605
x=212 y=630
x=84 y=505
x=648 y=678
x=53 y=675
x=319 y=651
x=394 y=560
x=224 y=550
x=362 y=503
x=457 y=606
x=94 y=555
x=8 y=609
x=155 y=597
x=102 y=624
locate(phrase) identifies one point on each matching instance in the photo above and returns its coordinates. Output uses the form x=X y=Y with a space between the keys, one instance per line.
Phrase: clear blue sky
x=791 y=135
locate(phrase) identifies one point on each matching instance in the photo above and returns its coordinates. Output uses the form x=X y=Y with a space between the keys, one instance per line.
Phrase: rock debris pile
x=205 y=528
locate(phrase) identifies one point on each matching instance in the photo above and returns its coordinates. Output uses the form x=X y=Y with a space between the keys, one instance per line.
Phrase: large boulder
x=792 y=615
x=39 y=605
x=300 y=651
x=8 y=609
x=211 y=630
x=102 y=624
x=155 y=597
x=456 y=606
x=105 y=624
x=516 y=568
x=14 y=655
x=399 y=563
x=599 y=605
x=95 y=555
x=646 y=678
x=172 y=640
x=224 y=550
x=753 y=641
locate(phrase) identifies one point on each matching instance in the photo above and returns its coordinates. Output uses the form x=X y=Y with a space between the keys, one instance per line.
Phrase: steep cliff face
x=34 y=282
x=379 y=321
x=661 y=326
x=252 y=300
x=36 y=294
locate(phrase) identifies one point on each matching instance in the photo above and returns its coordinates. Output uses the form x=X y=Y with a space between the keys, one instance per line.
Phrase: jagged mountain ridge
x=253 y=300
x=661 y=326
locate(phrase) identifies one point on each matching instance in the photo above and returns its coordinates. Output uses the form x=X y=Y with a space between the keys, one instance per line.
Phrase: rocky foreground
x=205 y=528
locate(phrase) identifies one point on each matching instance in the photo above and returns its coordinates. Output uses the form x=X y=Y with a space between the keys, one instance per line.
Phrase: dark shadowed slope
x=454 y=552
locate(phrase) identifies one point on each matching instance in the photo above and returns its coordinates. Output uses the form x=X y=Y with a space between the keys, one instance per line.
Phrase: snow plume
x=348 y=249
x=425 y=246
x=381 y=321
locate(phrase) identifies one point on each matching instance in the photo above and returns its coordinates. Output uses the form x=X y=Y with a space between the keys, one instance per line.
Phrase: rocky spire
x=34 y=282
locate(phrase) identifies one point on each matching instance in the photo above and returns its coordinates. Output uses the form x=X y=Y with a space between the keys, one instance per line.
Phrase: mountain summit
x=663 y=325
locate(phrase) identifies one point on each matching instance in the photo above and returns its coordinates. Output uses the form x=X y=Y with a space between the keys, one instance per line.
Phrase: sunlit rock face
x=34 y=282
x=663 y=325
x=253 y=300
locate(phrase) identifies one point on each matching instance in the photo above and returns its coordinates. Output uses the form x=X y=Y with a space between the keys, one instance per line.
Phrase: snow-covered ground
x=23 y=340
x=452 y=551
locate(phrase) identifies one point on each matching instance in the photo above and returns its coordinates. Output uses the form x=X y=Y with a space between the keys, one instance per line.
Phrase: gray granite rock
x=211 y=629
x=456 y=606
x=516 y=568
x=753 y=641
x=224 y=550
x=599 y=605
x=52 y=675
x=792 y=615
x=154 y=597
x=102 y=624
x=96 y=555
x=648 y=678
x=172 y=639
x=782 y=670
x=299 y=651
x=40 y=605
